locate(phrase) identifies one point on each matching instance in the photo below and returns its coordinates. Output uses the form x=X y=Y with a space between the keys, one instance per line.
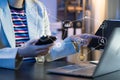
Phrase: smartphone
x=46 y=40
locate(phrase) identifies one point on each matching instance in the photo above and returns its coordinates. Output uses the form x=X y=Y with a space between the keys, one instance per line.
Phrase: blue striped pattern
x=20 y=26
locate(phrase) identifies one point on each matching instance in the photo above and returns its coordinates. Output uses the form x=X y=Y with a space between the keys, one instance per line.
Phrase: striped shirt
x=20 y=25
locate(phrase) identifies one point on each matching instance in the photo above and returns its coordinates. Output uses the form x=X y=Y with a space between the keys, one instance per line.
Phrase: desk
x=35 y=71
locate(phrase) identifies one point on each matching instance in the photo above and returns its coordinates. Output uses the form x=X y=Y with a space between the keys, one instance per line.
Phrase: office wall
x=104 y=9
x=113 y=9
x=98 y=12
x=118 y=10
x=51 y=6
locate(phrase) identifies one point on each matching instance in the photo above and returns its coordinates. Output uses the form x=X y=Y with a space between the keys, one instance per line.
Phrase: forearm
x=9 y=58
x=66 y=48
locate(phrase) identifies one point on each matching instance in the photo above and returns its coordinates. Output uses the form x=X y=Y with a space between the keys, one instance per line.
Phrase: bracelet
x=76 y=46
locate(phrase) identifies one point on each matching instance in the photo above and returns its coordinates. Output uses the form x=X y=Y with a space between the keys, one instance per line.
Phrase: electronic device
x=109 y=61
x=77 y=24
x=105 y=30
x=67 y=24
x=46 y=40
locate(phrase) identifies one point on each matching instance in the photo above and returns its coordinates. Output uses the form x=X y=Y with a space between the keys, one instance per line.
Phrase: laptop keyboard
x=76 y=70
x=88 y=71
x=71 y=68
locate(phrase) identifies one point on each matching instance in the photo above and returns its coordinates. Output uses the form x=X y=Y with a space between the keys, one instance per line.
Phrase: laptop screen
x=104 y=31
x=110 y=59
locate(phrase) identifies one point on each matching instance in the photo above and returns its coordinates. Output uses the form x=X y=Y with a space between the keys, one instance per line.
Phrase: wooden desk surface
x=35 y=71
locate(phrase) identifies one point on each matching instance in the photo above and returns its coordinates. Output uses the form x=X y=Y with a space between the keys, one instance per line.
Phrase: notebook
x=109 y=61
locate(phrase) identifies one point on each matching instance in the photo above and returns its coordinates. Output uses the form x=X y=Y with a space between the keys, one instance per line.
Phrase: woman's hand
x=32 y=50
x=83 y=39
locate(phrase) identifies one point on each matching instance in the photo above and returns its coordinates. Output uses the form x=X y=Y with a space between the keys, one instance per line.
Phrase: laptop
x=109 y=61
x=105 y=30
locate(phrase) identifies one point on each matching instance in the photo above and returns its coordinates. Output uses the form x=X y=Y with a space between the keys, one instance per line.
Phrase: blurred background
x=71 y=17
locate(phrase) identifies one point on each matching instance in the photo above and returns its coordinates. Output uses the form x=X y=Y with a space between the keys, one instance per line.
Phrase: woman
x=22 y=22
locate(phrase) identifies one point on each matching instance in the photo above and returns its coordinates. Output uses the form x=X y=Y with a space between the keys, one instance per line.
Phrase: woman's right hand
x=29 y=49
x=83 y=39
